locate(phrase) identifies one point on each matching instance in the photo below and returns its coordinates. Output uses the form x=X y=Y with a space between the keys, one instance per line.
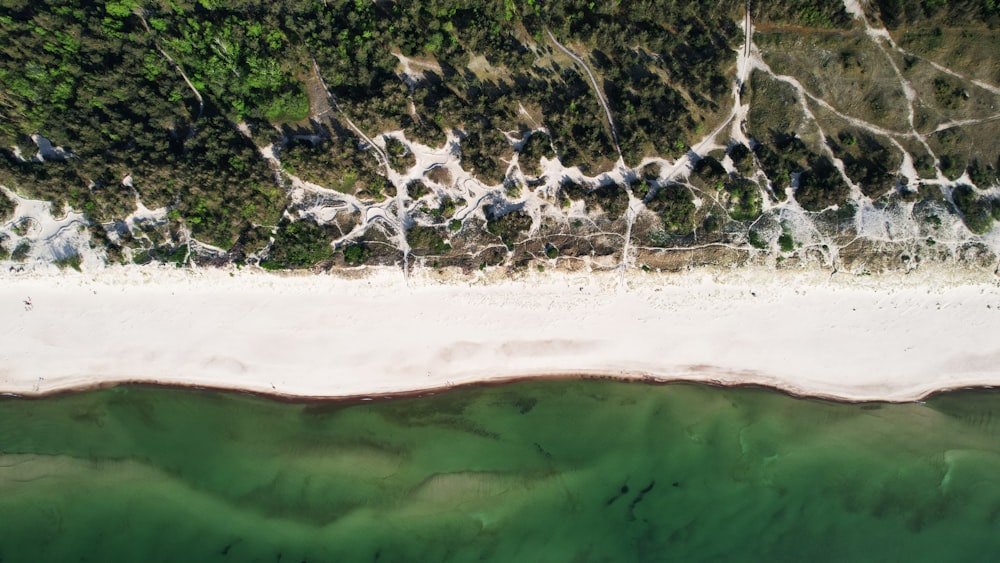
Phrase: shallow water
x=532 y=471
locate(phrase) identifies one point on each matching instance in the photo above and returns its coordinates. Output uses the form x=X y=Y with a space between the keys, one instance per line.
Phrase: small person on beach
x=28 y=305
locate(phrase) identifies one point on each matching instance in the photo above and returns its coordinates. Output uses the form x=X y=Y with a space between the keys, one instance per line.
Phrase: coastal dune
x=894 y=337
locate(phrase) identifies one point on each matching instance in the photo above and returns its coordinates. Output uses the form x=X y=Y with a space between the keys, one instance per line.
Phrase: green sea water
x=533 y=471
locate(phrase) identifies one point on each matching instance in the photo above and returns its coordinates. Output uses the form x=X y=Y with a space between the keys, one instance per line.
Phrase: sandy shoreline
x=892 y=337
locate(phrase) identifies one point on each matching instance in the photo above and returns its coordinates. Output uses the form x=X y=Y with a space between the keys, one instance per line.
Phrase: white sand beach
x=891 y=337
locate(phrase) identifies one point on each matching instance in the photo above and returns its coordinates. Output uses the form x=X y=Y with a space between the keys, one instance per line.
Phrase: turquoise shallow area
x=532 y=471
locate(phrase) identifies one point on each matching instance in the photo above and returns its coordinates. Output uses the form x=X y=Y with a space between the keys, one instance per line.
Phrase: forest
x=171 y=103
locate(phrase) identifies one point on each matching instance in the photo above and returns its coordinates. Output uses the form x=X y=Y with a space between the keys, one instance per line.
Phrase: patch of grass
x=71 y=261
x=658 y=237
x=289 y=107
x=513 y=188
x=756 y=240
x=21 y=251
x=440 y=175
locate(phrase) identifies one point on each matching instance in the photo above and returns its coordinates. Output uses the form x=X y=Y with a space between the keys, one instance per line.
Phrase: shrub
x=447 y=208
x=847 y=211
x=423 y=239
x=709 y=169
x=20 y=253
x=821 y=186
x=538 y=145
x=953 y=166
x=356 y=254
x=675 y=206
x=417 y=189
x=744 y=199
x=975 y=210
x=786 y=243
x=400 y=157
x=742 y=158
x=982 y=176
x=6 y=207
x=711 y=224
x=509 y=226
x=299 y=244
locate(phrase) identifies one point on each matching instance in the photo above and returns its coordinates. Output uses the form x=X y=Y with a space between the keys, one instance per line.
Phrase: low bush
x=302 y=244
x=976 y=210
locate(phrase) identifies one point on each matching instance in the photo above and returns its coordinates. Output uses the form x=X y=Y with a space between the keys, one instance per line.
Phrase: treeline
x=898 y=13
x=807 y=13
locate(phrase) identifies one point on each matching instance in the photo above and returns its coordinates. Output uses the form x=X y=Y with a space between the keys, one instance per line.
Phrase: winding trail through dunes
x=398 y=223
x=597 y=90
x=320 y=336
x=745 y=62
x=197 y=94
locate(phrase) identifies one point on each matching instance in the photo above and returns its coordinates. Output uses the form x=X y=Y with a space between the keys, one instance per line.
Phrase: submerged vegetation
x=648 y=473
x=290 y=134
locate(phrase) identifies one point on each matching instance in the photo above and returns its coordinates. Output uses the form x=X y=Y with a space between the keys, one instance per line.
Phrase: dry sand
x=892 y=337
